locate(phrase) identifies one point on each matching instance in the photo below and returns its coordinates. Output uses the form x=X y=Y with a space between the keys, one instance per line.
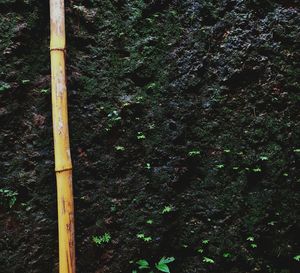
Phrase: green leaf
x=297 y=258
x=147 y=239
x=4 y=86
x=143 y=264
x=208 y=260
x=226 y=255
x=162 y=267
x=200 y=250
x=250 y=239
x=166 y=260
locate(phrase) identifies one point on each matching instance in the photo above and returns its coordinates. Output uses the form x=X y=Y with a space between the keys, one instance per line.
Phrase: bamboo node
x=58 y=49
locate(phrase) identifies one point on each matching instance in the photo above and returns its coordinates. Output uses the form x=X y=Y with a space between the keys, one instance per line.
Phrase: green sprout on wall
x=194 y=152
x=167 y=209
x=100 y=240
x=297 y=258
x=120 y=148
x=140 y=136
x=4 y=86
x=226 y=255
x=205 y=242
x=208 y=260
x=9 y=196
x=252 y=243
x=161 y=266
x=200 y=250
x=143 y=237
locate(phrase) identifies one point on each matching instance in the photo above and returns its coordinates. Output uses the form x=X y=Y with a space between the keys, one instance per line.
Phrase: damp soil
x=185 y=130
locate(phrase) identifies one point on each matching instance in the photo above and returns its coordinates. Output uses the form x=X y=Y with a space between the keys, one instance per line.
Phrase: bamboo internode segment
x=63 y=163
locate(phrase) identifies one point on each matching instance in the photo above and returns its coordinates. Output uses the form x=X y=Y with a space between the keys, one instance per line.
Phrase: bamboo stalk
x=63 y=164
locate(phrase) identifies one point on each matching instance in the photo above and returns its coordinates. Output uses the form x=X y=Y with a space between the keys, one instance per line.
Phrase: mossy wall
x=187 y=105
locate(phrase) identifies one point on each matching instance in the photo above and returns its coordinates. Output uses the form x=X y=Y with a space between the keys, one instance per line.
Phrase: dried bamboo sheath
x=63 y=164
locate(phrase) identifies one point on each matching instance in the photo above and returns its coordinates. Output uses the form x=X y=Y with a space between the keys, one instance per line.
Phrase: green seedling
x=226 y=255
x=119 y=148
x=100 y=240
x=140 y=136
x=297 y=258
x=194 y=152
x=257 y=170
x=167 y=209
x=208 y=260
x=162 y=265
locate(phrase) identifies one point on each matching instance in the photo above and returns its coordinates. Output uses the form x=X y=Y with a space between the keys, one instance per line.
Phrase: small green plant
x=120 y=148
x=9 y=196
x=161 y=266
x=44 y=91
x=220 y=166
x=227 y=151
x=100 y=240
x=167 y=209
x=263 y=158
x=200 y=250
x=208 y=260
x=226 y=255
x=143 y=237
x=235 y=168
x=272 y=223
x=150 y=222
x=25 y=81
x=297 y=258
x=257 y=170
x=250 y=239
x=297 y=150
x=152 y=85
x=252 y=243
x=205 y=242
x=143 y=264
x=113 y=118
x=148 y=166
x=4 y=86
x=194 y=152
x=140 y=136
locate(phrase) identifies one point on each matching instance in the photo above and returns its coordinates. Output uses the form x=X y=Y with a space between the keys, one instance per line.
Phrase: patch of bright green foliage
x=143 y=237
x=8 y=197
x=100 y=240
x=161 y=266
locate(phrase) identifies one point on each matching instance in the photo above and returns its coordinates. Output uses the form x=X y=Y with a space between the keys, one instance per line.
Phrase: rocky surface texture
x=185 y=132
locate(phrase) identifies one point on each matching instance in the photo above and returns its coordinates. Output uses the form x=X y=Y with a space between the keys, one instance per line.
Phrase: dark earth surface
x=185 y=128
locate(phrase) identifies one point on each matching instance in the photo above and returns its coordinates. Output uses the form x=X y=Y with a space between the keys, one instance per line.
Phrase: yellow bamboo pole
x=63 y=164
